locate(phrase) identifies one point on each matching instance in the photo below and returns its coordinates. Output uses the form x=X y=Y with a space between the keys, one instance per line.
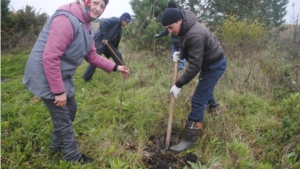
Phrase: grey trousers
x=63 y=137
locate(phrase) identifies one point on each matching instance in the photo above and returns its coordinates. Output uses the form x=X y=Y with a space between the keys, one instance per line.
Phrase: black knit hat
x=126 y=17
x=170 y=16
x=172 y=4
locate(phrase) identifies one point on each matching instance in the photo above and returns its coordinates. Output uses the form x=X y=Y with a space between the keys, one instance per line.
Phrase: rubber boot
x=191 y=133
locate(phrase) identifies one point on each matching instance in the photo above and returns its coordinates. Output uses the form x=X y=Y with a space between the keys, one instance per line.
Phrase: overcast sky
x=114 y=7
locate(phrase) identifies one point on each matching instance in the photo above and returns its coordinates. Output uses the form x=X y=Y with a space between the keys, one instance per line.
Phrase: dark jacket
x=198 y=46
x=173 y=37
x=110 y=29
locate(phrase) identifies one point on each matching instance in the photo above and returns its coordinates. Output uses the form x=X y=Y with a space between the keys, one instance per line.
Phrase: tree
x=28 y=19
x=148 y=23
x=7 y=22
x=202 y=8
x=268 y=12
x=213 y=12
x=20 y=28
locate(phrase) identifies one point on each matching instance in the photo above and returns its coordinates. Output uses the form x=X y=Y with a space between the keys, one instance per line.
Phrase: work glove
x=176 y=56
x=156 y=36
x=105 y=41
x=175 y=90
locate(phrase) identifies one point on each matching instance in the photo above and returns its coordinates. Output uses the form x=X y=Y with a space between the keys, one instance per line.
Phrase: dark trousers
x=90 y=70
x=204 y=91
x=62 y=134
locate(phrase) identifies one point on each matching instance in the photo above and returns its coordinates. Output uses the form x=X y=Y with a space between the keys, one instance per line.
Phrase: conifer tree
x=148 y=23
x=6 y=23
x=202 y=8
x=268 y=12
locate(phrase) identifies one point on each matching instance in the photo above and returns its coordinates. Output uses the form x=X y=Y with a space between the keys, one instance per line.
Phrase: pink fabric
x=57 y=42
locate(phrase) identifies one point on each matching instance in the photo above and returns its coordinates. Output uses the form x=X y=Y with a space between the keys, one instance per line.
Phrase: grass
x=258 y=129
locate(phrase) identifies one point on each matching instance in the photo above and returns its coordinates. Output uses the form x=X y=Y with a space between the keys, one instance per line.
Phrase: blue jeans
x=181 y=63
x=203 y=95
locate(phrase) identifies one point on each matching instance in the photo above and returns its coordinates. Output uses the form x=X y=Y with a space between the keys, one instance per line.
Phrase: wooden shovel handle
x=115 y=54
x=172 y=101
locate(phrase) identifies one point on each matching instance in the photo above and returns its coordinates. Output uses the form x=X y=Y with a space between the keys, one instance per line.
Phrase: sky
x=114 y=7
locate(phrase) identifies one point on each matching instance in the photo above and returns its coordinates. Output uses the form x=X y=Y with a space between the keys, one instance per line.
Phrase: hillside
x=122 y=123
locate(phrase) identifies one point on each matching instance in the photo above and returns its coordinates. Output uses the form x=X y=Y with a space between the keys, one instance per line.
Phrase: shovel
x=172 y=101
x=115 y=55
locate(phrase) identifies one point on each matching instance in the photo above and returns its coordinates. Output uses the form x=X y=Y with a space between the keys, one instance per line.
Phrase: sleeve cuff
x=178 y=84
x=115 y=68
x=59 y=94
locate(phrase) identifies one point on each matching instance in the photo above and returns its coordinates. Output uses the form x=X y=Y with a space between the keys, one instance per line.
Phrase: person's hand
x=124 y=70
x=60 y=100
x=156 y=36
x=105 y=41
x=175 y=90
x=176 y=56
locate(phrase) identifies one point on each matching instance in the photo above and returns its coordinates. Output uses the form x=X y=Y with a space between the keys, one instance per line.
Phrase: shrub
x=27 y=24
x=243 y=35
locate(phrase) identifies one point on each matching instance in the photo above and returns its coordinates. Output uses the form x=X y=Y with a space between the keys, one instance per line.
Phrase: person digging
x=204 y=54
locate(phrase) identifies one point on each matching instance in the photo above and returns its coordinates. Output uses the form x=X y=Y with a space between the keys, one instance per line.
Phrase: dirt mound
x=157 y=158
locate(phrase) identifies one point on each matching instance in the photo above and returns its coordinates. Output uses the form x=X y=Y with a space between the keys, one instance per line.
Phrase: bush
x=244 y=36
x=27 y=24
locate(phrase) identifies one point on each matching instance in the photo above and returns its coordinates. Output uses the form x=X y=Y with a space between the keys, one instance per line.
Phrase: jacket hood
x=188 y=20
x=77 y=10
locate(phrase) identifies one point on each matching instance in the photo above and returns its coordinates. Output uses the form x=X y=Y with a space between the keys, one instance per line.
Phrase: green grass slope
x=259 y=127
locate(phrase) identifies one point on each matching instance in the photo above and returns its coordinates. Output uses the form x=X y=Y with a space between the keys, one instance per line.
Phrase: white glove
x=175 y=90
x=176 y=56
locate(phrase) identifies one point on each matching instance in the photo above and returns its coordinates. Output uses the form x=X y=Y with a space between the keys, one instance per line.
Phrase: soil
x=157 y=158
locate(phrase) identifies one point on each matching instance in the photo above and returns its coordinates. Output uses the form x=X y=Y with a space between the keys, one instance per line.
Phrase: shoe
x=86 y=80
x=215 y=110
x=84 y=159
x=191 y=134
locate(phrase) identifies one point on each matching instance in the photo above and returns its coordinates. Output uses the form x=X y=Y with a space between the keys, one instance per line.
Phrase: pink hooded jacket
x=60 y=36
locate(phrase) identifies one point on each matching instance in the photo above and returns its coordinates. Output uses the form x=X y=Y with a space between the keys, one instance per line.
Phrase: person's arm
x=195 y=48
x=60 y=36
x=99 y=61
x=105 y=64
x=163 y=33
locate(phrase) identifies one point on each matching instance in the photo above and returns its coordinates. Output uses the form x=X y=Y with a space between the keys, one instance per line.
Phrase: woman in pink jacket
x=60 y=48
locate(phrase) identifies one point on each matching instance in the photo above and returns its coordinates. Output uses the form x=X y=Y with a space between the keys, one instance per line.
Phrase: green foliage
x=202 y=8
x=5 y=12
x=7 y=22
x=243 y=34
x=21 y=28
x=118 y=164
x=147 y=13
x=270 y=13
x=256 y=113
x=294 y=157
x=239 y=151
x=292 y=103
x=8 y=65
